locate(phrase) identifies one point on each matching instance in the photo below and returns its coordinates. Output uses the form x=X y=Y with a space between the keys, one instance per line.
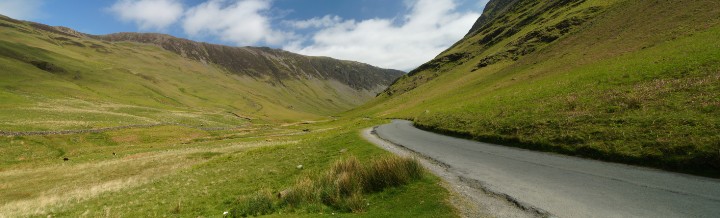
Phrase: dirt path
x=105 y=129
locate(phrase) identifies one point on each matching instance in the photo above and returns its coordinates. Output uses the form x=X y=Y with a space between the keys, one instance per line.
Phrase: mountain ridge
x=244 y=59
x=278 y=62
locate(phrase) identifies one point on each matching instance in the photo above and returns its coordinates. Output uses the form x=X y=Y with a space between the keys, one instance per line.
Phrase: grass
x=616 y=88
x=260 y=203
x=343 y=187
x=606 y=89
x=49 y=84
x=201 y=137
x=190 y=172
x=220 y=136
x=32 y=185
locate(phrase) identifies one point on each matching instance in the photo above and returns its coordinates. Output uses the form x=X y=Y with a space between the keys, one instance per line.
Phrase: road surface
x=560 y=185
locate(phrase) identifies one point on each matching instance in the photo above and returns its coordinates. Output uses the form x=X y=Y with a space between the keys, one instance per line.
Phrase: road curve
x=561 y=185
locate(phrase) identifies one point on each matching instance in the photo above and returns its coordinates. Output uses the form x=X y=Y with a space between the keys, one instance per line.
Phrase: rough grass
x=30 y=190
x=638 y=84
x=168 y=171
x=260 y=203
x=343 y=187
x=196 y=167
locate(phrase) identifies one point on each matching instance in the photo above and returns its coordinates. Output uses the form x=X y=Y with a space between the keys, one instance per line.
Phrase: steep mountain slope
x=58 y=78
x=619 y=80
x=267 y=63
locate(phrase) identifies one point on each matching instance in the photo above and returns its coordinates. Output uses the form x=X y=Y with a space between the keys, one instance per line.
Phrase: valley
x=569 y=108
x=120 y=126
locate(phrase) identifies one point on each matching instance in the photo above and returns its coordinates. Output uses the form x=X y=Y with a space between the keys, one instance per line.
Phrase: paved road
x=561 y=185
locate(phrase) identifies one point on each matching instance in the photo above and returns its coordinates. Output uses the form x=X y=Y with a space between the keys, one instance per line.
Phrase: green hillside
x=619 y=80
x=132 y=125
x=54 y=78
x=137 y=125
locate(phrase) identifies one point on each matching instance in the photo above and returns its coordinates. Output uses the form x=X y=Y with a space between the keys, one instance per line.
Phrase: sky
x=396 y=34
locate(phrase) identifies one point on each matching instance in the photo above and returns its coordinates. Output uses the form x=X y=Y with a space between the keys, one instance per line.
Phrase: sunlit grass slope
x=51 y=80
x=629 y=81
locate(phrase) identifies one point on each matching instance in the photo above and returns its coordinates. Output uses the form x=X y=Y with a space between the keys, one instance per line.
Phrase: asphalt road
x=561 y=185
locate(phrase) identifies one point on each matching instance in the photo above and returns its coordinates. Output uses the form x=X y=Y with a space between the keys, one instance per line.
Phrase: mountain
x=58 y=78
x=276 y=64
x=632 y=81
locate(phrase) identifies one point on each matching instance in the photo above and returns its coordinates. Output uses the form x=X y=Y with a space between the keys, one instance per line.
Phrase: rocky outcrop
x=492 y=10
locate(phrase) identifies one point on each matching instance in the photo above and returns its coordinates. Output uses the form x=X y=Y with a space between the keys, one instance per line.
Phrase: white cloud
x=317 y=22
x=242 y=22
x=149 y=14
x=431 y=27
x=21 y=9
x=405 y=42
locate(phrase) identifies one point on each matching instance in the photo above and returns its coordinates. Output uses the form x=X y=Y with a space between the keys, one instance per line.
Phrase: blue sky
x=399 y=34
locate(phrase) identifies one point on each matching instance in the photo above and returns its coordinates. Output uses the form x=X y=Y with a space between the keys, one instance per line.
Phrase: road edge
x=470 y=197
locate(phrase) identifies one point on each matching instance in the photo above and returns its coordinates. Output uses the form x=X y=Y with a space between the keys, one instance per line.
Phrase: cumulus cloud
x=21 y=9
x=404 y=42
x=317 y=22
x=149 y=14
x=430 y=27
x=243 y=22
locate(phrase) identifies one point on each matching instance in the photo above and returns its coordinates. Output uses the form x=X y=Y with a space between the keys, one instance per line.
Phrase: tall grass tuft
x=342 y=187
x=304 y=191
x=390 y=172
x=260 y=203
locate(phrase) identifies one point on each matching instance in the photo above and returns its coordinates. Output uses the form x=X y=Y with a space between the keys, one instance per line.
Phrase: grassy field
x=636 y=83
x=183 y=172
x=198 y=140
